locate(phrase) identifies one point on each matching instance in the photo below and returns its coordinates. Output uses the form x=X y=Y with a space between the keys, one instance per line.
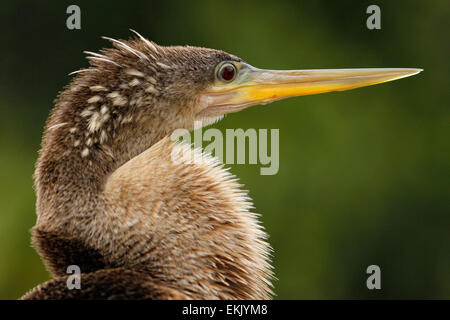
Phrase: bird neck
x=199 y=238
x=73 y=166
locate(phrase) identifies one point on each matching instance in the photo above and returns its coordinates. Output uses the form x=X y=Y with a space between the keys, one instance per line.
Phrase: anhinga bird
x=111 y=200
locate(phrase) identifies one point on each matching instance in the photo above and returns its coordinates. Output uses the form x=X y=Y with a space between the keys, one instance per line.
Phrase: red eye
x=227 y=72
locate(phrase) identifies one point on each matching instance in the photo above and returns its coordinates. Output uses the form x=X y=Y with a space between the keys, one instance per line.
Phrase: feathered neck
x=108 y=190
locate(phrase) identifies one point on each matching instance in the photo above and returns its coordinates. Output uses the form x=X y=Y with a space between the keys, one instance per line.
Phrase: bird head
x=182 y=85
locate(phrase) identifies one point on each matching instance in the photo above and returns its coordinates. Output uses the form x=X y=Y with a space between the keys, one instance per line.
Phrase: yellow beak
x=256 y=86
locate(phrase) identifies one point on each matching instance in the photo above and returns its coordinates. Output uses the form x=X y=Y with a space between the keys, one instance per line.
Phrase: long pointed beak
x=258 y=86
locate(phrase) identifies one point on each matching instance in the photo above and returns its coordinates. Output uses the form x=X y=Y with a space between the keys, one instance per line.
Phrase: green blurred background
x=364 y=174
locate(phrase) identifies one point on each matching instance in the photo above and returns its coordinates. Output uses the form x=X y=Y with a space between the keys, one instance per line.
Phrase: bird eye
x=227 y=72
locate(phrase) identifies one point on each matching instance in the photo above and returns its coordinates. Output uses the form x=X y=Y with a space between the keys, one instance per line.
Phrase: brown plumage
x=110 y=198
x=111 y=284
